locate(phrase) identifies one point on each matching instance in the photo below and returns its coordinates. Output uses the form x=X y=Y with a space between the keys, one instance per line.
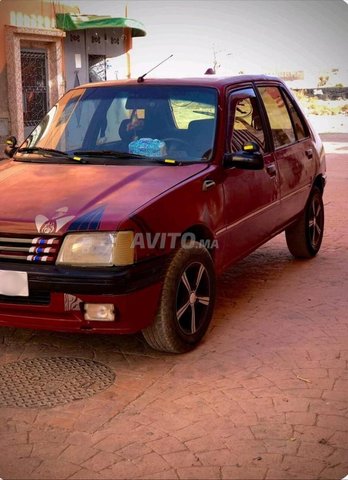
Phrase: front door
x=251 y=196
x=34 y=87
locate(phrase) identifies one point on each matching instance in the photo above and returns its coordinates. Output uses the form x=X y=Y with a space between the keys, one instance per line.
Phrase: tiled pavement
x=264 y=396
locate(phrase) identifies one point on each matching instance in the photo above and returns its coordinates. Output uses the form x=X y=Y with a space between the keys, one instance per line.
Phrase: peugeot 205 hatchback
x=126 y=201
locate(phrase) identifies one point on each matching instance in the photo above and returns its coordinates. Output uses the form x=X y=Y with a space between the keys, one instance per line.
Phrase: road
x=263 y=397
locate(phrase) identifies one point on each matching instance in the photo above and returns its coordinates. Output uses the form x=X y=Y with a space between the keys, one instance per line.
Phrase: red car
x=126 y=201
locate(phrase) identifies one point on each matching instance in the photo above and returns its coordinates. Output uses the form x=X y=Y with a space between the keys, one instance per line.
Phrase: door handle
x=207 y=184
x=271 y=169
x=309 y=153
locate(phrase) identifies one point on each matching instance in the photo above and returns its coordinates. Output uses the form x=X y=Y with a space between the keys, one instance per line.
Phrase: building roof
x=70 y=21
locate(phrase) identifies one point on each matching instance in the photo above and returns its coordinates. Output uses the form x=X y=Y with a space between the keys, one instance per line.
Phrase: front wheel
x=305 y=236
x=187 y=301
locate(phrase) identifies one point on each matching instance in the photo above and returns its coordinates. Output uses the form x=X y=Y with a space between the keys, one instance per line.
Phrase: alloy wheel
x=315 y=222
x=193 y=298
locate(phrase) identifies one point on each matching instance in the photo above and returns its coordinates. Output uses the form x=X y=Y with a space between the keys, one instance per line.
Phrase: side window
x=300 y=128
x=246 y=125
x=278 y=115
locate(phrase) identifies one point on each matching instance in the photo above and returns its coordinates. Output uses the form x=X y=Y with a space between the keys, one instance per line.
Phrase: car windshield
x=127 y=123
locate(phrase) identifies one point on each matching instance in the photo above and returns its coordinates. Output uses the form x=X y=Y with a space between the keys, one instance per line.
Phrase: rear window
x=299 y=125
x=282 y=131
x=185 y=111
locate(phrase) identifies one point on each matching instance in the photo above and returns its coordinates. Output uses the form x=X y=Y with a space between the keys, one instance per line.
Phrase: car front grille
x=29 y=249
x=37 y=298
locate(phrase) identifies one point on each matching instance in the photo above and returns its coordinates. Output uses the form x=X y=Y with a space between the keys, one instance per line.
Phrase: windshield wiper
x=51 y=151
x=108 y=153
x=125 y=155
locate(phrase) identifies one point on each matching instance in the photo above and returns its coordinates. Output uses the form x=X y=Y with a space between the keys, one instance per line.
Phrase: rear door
x=293 y=149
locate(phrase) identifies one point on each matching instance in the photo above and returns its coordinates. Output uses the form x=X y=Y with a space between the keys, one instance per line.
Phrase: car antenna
x=141 y=79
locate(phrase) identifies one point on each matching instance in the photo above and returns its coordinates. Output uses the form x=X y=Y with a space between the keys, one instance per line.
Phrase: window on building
x=97 y=68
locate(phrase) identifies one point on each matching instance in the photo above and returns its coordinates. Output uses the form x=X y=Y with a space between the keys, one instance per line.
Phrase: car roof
x=215 y=81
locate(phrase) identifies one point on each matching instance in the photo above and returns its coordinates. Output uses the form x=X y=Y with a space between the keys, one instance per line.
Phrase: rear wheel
x=305 y=236
x=187 y=301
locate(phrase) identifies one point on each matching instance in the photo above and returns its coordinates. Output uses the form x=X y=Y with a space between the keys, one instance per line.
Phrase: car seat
x=201 y=137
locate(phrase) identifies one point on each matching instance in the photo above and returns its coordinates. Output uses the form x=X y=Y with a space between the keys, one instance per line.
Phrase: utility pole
x=216 y=65
x=128 y=43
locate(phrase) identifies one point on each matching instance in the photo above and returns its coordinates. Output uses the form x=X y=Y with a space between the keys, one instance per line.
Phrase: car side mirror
x=11 y=146
x=249 y=158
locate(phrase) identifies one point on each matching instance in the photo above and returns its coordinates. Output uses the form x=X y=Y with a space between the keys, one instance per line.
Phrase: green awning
x=70 y=21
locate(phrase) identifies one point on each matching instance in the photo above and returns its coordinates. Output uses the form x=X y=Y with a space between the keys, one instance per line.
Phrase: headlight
x=101 y=249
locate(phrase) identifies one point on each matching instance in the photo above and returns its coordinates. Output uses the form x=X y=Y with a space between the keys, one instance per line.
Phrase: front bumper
x=57 y=295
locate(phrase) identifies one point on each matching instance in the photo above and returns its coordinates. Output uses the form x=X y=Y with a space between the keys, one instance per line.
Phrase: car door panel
x=296 y=171
x=251 y=196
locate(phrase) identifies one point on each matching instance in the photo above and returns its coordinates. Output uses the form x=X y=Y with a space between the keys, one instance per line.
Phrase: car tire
x=305 y=236
x=187 y=301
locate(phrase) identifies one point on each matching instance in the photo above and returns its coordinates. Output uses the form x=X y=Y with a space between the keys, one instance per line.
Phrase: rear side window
x=300 y=128
x=278 y=115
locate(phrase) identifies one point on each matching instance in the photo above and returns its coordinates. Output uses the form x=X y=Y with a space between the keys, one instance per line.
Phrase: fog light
x=102 y=312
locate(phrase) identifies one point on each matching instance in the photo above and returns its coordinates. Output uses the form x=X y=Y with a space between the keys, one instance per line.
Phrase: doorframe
x=17 y=38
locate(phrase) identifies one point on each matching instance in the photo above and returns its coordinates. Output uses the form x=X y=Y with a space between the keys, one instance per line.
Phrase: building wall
x=31 y=24
x=78 y=45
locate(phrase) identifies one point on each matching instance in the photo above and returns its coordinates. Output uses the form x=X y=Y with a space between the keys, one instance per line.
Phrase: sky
x=250 y=36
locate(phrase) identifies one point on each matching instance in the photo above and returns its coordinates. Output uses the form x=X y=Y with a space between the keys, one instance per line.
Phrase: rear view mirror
x=248 y=158
x=11 y=146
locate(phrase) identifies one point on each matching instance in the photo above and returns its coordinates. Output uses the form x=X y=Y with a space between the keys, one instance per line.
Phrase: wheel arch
x=320 y=182
x=205 y=236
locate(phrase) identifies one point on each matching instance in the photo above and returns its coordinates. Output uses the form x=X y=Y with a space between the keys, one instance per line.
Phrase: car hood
x=52 y=198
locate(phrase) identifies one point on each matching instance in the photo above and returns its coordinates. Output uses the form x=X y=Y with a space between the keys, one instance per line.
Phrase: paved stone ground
x=264 y=396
